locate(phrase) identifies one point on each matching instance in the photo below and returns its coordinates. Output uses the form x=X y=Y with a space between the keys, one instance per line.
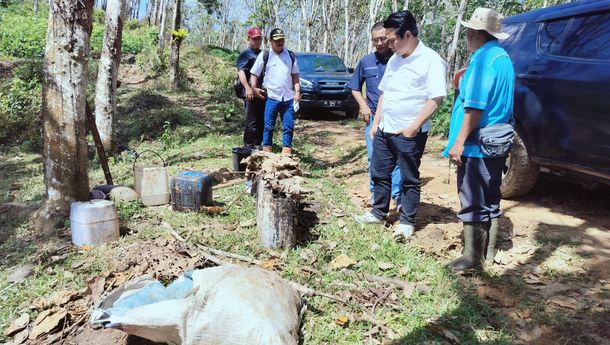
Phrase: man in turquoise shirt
x=485 y=98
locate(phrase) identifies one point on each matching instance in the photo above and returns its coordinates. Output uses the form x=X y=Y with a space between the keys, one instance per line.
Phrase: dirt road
x=550 y=277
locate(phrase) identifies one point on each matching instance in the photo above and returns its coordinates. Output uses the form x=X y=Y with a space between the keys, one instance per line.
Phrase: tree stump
x=276 y=218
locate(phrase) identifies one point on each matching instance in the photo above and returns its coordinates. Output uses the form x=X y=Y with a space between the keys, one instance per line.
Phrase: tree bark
x=63 y=108
x=105 y=88
x=451 y=60
x=161 y=43
x=346 y=38
x=275 y=218
x=308 y=10
x=35 y=6
x=374 y=7
x=406 y=5
x=174 y=58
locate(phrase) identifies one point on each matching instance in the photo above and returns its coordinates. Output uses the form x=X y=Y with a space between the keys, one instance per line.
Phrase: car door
x=576 y=84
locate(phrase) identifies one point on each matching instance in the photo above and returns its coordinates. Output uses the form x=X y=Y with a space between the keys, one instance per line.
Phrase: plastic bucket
x=240 y=153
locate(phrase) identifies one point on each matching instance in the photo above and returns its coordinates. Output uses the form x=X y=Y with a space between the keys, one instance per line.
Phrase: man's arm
x=377 y=119
x=256 y=92
x=255 y=72
x=356 y=85
x=244 y=82
x=297 y=87
x=424 y=115
x=364 y=108
x=471 y=120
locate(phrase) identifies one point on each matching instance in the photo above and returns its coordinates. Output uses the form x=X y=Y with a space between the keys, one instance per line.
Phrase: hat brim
x=278 y=37
x=498 y=35
x=256 y=36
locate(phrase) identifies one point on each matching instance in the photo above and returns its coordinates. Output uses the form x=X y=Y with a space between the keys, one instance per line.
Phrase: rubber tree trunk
x=163 y=10
x=451 y=60
x=63 y=108
x=346 y=32
x=105 y=88
x=174 y=58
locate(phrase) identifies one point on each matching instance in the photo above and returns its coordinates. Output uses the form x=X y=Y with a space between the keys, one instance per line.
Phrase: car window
x=588 y=37
x=550 y=35
x=512 y=30
x=321 y=63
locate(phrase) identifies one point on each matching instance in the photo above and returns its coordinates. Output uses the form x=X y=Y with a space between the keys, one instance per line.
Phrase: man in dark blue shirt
x=254 y=107
x=370 y=70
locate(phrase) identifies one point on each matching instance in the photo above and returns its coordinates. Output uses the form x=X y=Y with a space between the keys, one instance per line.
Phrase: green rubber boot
x=490 y=251
x=472 y=259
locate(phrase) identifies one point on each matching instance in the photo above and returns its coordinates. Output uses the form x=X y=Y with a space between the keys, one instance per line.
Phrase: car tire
x=520 y=173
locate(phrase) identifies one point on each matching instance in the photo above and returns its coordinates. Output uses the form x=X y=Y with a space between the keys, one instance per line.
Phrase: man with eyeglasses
x=413 y=87
x=370 y=70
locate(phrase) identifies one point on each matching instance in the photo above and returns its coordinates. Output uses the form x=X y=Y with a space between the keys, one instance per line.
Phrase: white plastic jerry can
x=151 y=183
x=94 y=222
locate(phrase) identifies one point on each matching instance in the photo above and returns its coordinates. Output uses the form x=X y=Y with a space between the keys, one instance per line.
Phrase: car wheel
x=520 y=173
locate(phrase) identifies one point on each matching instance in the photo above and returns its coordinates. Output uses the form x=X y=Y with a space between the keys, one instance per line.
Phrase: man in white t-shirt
x=280 y=72
x=413 y=88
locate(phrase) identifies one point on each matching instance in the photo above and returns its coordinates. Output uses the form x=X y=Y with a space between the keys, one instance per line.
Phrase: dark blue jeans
x=286 y=110
x=478 y=182
x=388 y=150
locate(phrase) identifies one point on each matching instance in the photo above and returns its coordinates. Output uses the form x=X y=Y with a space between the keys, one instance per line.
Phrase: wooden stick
x=98 y=143
x=228 y=184
x=388 y=281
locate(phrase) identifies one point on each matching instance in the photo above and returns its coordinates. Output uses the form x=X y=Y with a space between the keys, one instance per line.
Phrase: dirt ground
x=550 y=276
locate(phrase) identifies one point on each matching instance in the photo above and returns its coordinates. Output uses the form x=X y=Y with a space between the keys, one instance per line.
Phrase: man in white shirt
x=280 y=71
x=413 y=88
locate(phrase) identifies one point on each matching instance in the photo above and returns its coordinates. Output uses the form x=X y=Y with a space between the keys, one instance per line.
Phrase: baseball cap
x=277 y=34
x=254 y=32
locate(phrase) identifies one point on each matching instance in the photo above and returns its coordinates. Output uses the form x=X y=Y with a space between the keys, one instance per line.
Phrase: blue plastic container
x=190 y=190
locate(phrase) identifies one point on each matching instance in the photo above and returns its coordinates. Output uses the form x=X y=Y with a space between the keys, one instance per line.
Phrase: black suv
x=561 y=57
x=324 y=80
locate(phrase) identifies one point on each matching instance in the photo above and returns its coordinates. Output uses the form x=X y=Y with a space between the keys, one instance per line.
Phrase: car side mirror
x=350 y=70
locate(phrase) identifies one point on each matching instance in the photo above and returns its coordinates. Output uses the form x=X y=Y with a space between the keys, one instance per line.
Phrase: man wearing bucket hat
x=254 y=107
x=480 y=136
x=281 y=84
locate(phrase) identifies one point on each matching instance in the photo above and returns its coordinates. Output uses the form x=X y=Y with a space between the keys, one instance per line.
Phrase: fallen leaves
x=270 y=264
x=17 y=325
x=342 y=321
x=46 y=322
x=342 y=261
x=498 y=296
x=95 y=288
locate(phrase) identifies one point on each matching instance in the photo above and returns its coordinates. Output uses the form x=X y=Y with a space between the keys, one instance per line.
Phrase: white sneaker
x=403 y=232
x=367 y=218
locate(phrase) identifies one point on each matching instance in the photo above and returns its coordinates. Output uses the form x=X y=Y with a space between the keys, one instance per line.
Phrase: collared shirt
x=407 y=84
x=486 y=85
x=245 y=61
x=370 y=70
x=278 y=74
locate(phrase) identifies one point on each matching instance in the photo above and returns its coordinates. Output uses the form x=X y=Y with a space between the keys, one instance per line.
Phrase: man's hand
x=258 y=93
x=249 y=94
x=373 y=131
x=366 y=113
x=410 y=132
x=455 y=154
x=297 y=96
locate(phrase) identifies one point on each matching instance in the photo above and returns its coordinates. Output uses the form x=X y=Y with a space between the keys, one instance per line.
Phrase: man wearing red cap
x=254 y=107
